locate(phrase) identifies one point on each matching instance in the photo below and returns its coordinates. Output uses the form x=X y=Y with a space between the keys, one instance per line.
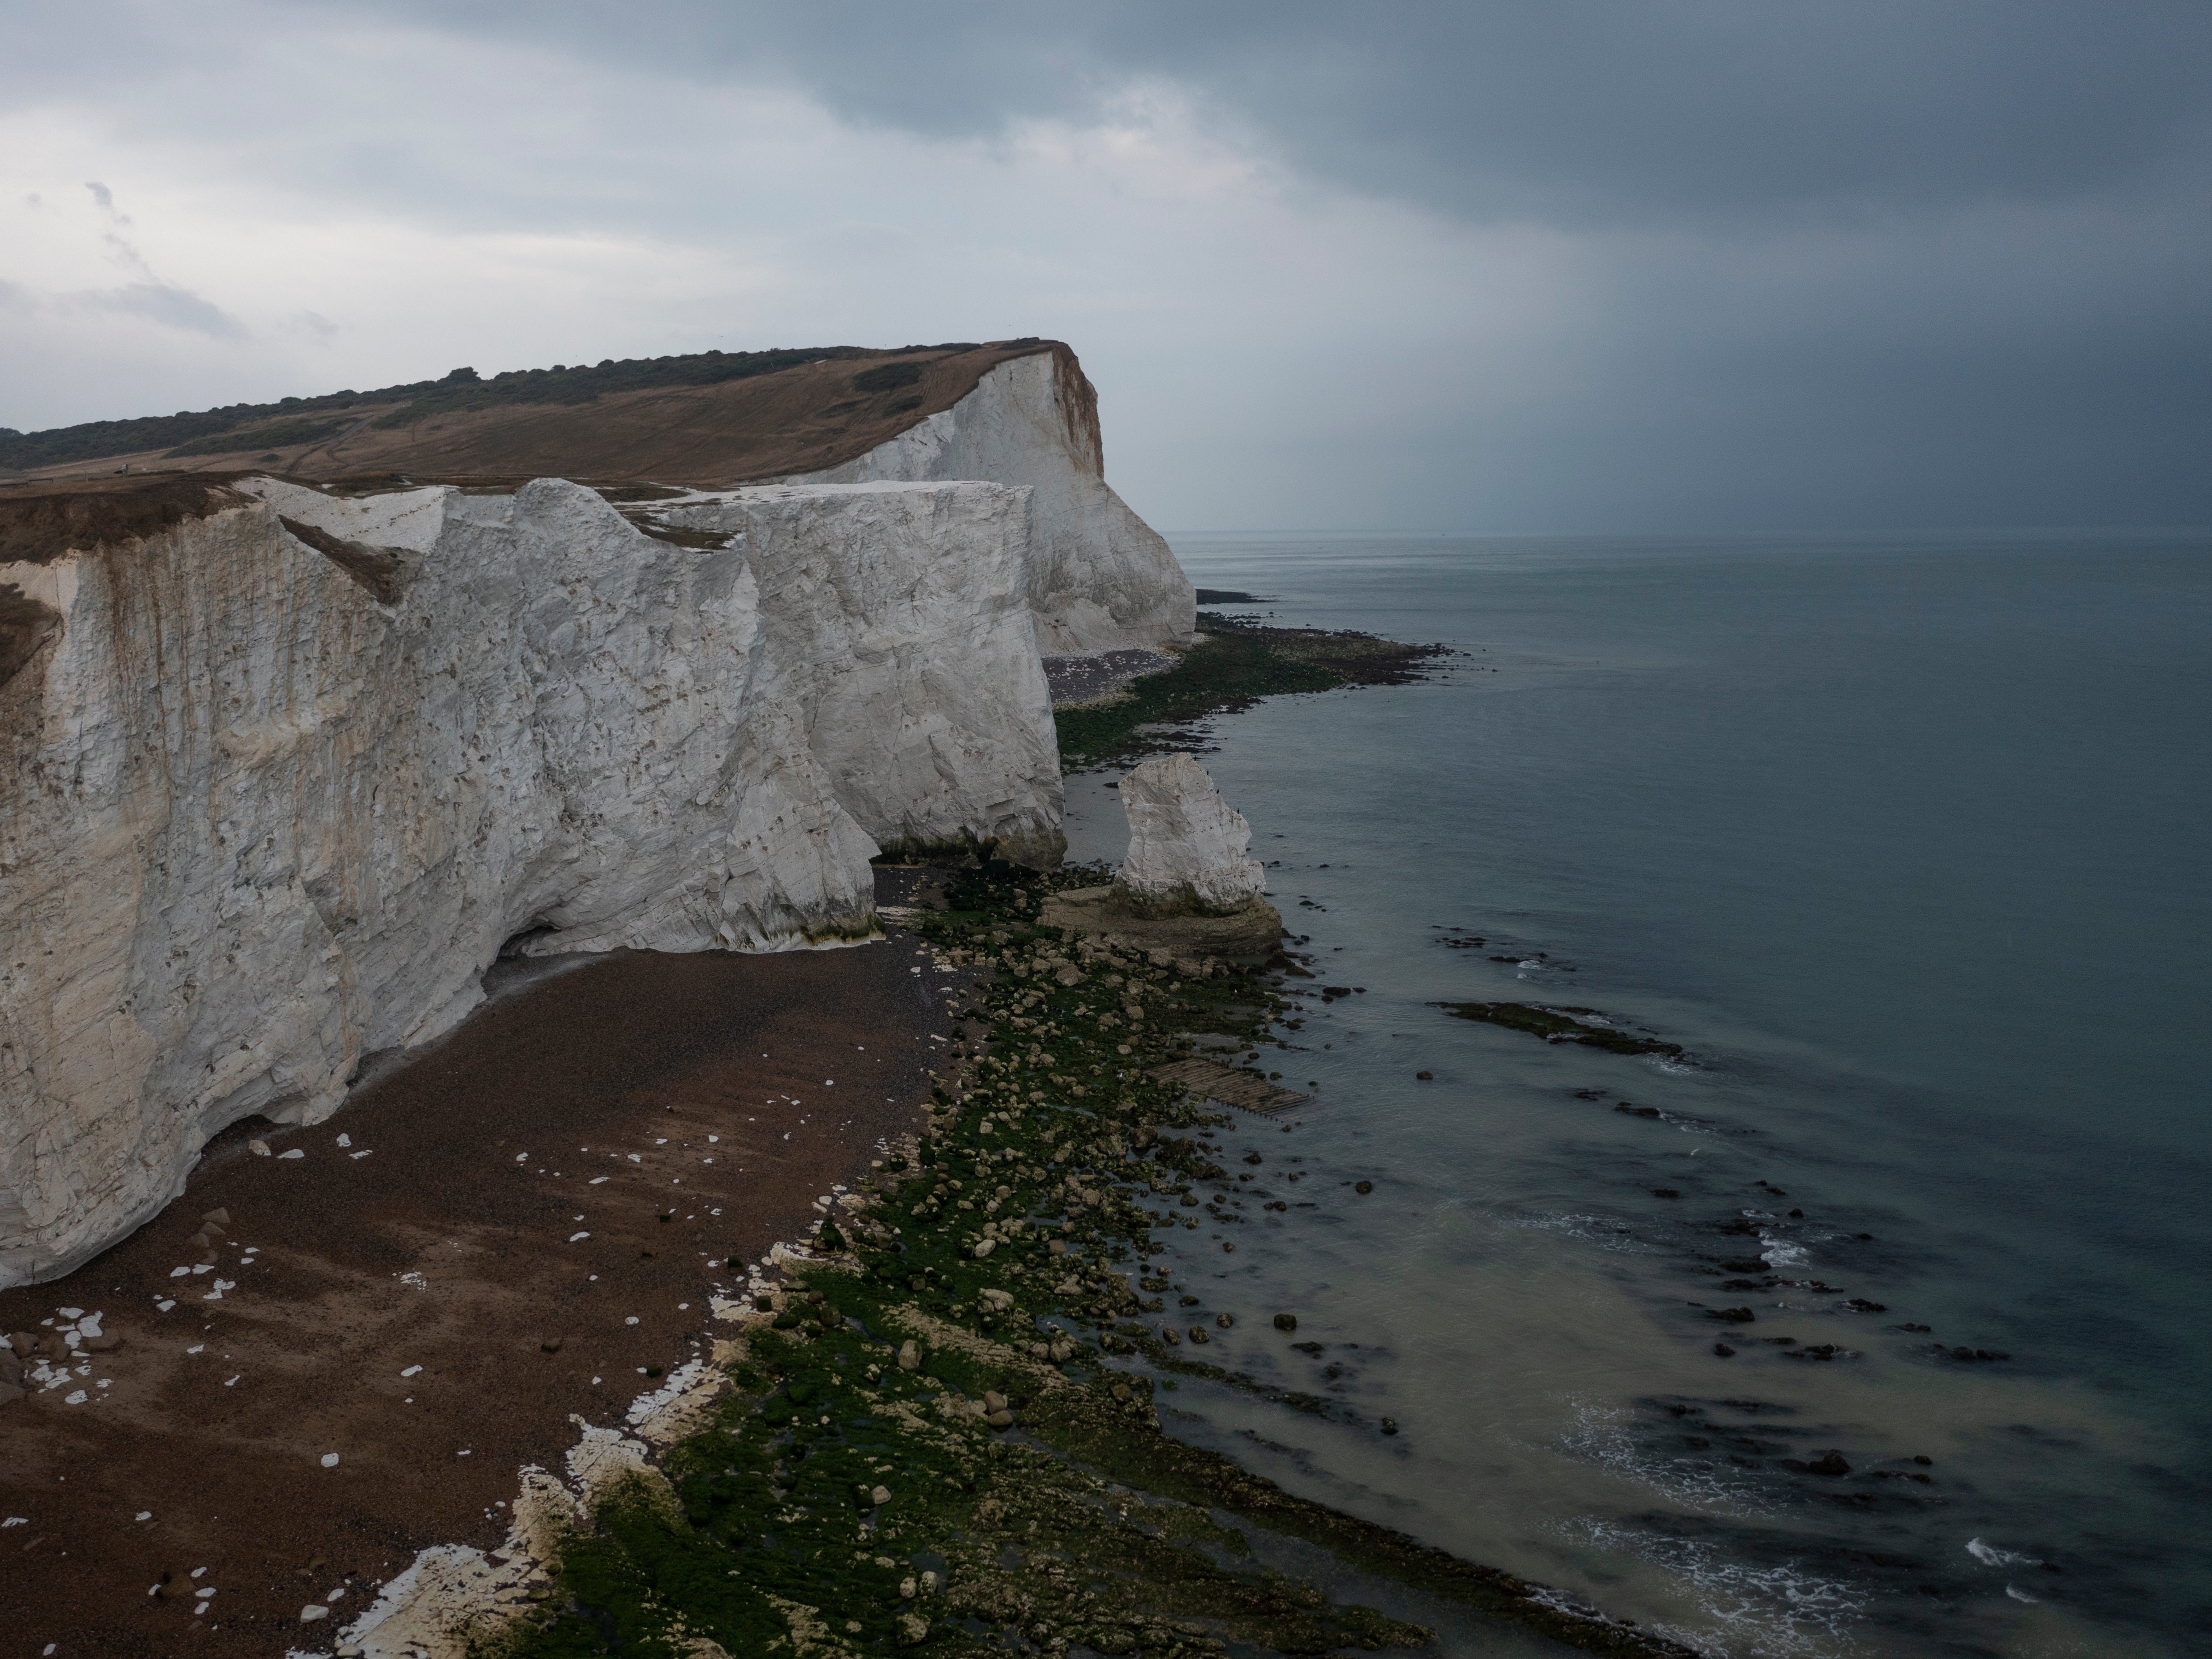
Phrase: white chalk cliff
x=1100 y=578
x=899 y=614
x=283 y=778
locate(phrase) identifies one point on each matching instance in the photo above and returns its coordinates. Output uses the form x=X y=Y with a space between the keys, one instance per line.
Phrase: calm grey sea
x=1904 y=839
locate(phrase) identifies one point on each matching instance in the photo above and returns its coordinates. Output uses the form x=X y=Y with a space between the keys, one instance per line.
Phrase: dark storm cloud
x=1888 y=261
x=1725 y=264
x=1562 y=111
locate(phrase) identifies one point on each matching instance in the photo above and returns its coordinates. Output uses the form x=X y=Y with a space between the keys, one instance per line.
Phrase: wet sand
x=442 y=1237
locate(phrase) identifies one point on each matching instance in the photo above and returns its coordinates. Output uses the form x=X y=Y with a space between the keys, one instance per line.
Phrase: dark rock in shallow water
x=1286 y=1321
x=1558 y=1027
x=1723 y=1349
x=1665 y=1192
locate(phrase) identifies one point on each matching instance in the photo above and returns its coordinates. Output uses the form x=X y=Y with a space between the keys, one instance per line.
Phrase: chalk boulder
x=1187 y=845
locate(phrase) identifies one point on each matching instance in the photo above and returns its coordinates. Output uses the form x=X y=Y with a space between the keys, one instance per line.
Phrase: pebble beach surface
x=406 y=1304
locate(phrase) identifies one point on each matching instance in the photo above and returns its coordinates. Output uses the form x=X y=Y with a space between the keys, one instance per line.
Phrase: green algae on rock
x=1558 y=1025
x=1233 y=665
x=923 y=1446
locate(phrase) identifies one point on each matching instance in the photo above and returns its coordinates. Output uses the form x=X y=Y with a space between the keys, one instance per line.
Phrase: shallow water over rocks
x=1867 y=1323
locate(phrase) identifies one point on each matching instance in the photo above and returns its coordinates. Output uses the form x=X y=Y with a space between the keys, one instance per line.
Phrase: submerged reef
x=1233 y=664
x=1559 y=1026
x=927 y=1444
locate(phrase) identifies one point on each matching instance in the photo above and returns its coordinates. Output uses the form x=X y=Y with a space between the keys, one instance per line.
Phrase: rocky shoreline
x=1233 y=662
x=936 y=1434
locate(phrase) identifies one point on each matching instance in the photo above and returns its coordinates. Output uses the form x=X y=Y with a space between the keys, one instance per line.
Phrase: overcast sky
x=1734 y=265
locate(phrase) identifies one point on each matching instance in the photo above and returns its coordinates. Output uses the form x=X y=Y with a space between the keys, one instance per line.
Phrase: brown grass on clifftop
x=806 y=416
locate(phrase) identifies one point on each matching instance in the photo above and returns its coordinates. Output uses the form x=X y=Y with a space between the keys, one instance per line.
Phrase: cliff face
x=1101 y=579
x=927 y=704
x=285 y=775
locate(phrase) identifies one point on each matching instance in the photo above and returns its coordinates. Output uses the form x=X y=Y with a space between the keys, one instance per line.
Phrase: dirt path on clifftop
x=561 y=1170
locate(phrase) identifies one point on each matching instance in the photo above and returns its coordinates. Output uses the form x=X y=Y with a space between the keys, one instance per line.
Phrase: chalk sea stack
x=1186 y=886
x=1187 y=845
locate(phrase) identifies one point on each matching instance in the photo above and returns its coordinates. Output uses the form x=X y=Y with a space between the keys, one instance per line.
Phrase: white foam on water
x=1780 y=1253
x=1602 y=1435
x=1600 y=1231
x=1991 y=1556
x=1784 y=1609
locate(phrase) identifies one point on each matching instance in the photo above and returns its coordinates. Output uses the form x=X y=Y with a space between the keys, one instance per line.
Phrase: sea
x=1903 y=841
